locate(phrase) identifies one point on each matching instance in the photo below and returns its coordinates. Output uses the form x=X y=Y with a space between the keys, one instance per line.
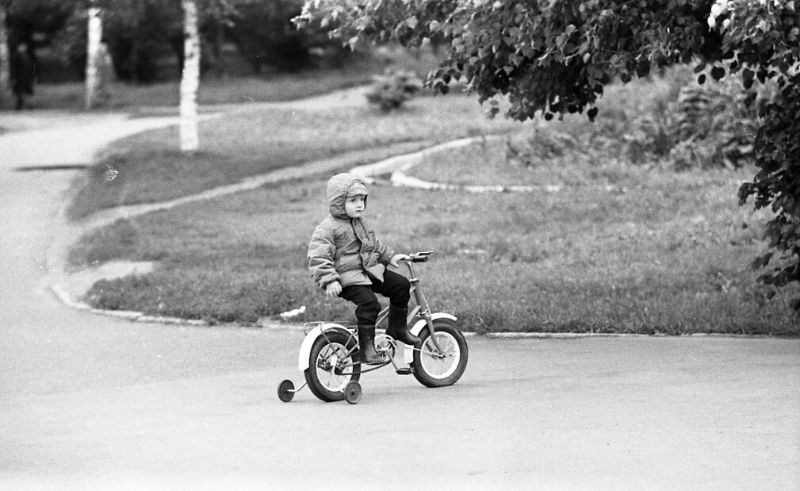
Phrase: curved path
x=92 y=402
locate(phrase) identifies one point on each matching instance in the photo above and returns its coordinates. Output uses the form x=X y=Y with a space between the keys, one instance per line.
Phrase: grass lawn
x=252 y=141
x=669 y=255
x=164 y=97
x=619 y=248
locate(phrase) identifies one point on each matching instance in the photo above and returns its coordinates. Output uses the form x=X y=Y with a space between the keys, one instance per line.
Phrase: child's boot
x=366 y=343
x=398 y=326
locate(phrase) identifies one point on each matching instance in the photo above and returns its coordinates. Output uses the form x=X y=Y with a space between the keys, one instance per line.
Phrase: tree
x=190 y=78
x=94 y=37
x=5 y=59
x=139 y=34
x=762 y=40
x=555 y=56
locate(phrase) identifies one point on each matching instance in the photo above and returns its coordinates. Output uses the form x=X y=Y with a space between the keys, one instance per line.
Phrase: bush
x=713 y=126
x=392 y=89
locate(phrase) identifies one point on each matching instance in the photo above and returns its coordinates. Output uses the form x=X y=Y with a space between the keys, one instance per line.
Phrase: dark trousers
x=395 y=286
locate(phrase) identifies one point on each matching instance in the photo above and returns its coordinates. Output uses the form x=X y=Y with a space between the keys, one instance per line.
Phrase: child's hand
x=333 y=289
x=397 y=258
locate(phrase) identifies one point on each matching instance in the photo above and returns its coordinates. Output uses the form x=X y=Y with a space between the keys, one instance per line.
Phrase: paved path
x=91 y=402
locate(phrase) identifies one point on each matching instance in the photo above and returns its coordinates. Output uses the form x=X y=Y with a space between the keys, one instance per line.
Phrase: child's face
x=354 y=206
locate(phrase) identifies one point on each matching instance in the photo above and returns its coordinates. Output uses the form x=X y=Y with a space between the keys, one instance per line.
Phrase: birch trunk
x=5 y=58
x=190 y=78
x=95 y=33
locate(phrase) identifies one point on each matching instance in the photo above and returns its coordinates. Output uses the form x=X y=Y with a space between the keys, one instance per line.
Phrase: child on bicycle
x=347 y=260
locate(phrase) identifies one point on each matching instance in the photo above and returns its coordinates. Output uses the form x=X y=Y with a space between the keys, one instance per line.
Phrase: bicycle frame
x=421 y=309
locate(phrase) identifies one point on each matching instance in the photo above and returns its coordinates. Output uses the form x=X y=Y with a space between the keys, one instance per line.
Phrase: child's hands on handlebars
x=397 y=258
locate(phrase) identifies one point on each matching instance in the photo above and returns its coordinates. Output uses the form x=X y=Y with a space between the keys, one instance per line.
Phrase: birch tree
x=190 y=78
x=94 y=35
x=5 y=58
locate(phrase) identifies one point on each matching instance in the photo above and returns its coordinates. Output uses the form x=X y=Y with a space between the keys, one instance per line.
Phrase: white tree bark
x=5 y=58
x=190 y=78
x=95 y=34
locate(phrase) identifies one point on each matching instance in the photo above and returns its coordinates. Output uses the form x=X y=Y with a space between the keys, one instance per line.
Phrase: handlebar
x=419 y=257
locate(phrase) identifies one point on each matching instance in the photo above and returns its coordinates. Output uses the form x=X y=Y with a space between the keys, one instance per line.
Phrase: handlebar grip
x=420 y=257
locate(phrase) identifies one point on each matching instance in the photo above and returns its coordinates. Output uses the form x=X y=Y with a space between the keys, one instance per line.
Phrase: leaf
x=412 y=21
x=642 y=67
x=748 y=77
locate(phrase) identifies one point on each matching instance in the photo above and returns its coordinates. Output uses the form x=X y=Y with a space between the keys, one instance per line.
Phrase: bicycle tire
x=434 y=370
x=321 y=376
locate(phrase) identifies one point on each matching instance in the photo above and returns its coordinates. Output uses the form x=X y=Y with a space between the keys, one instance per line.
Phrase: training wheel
x=286 y=391
x=352 y=392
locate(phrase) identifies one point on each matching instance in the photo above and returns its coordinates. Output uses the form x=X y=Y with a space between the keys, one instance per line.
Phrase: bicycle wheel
x=438 y=369
x=330 y=367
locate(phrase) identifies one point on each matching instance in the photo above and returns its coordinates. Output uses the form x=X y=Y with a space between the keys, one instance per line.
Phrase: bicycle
x=329 y=353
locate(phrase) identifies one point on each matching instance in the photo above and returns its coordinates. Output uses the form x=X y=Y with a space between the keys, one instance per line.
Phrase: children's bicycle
x=329 y=355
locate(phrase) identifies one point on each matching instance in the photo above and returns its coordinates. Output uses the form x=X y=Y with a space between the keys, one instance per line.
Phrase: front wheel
x=331 y=367
x=434 y=368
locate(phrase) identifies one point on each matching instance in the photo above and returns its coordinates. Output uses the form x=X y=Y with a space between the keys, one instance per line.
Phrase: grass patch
x=662 y=257
x=620 y=248
x=253 y=141
x=163 y=98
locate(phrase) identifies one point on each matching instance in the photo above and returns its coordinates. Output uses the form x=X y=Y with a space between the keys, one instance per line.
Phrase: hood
x=339 y=187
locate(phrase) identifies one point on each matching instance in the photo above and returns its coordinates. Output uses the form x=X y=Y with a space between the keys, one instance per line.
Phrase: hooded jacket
x=345 y=249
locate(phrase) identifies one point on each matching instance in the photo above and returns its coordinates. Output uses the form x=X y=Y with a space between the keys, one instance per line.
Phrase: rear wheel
x=434 y=368
x=331 y=366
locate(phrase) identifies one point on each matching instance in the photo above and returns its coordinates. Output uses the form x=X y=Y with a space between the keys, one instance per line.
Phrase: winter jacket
x=344 y=249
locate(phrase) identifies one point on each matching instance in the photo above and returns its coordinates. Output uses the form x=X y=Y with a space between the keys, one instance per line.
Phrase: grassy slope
x=254 y=141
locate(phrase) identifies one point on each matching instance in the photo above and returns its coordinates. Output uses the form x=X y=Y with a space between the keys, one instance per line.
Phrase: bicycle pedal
x=403 y=371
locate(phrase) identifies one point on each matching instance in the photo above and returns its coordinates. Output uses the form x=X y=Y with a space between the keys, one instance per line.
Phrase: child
x=346 y=260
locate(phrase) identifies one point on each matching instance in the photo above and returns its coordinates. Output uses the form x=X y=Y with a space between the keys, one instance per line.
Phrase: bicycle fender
x=308 y=342
x=417 y=328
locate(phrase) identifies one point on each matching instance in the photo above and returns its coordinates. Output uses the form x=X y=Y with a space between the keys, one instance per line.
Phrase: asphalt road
x=93 y=402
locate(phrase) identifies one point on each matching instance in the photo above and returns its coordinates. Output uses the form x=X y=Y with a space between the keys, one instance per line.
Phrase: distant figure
x=23 y=74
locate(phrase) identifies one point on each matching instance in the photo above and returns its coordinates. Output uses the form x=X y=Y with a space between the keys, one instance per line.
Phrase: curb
x=133 y=316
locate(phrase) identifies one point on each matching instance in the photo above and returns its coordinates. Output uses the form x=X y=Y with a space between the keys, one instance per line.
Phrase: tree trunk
x=94 y=36
x=5 y=58
x=190 y=78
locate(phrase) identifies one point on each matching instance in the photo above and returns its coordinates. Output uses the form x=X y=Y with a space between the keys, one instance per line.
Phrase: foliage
x=35 y=22
x=556 y=56
x=145 y=37
x=139 y=33
x=551 y=56
x=713 y=127
x=265 y=36
x=390 y=90
x=762 y=38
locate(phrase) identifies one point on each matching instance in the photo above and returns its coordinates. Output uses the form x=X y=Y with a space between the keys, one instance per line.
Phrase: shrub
x=392 y=89
x=713 y=126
